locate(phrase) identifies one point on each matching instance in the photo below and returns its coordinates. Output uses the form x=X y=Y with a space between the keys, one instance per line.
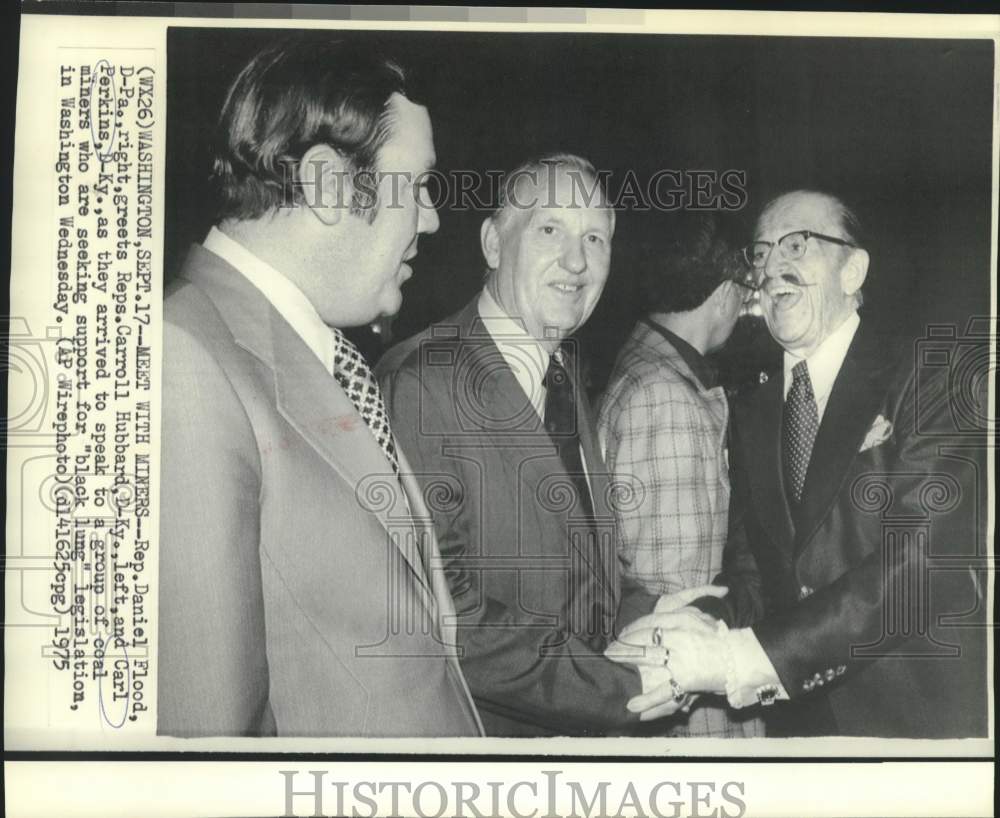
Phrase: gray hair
x=577 y=167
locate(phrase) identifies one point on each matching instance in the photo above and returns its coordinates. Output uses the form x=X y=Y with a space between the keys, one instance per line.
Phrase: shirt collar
x=290 y=302
x=527 y=359
x=702 y=368
x=824 y=364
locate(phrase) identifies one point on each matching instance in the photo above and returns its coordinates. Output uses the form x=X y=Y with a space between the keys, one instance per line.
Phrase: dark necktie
x=799 y=425
x=358 y=381
x=561 y=423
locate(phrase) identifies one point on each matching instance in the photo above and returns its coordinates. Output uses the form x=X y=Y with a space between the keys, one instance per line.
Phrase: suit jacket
x=294 y=599
x=662 y=428
x=536 y=601
x=868 y=596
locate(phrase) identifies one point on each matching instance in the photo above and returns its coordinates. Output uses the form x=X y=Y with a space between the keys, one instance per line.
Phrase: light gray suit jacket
x=297 y=590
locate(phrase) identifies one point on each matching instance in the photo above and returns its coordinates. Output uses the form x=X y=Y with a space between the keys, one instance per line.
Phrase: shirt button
x=805 y=591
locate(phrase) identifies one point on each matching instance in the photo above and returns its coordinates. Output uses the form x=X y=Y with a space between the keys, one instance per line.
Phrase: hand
x=686 y=617
x=679 y=599
x=691 y=653
x=656 y=680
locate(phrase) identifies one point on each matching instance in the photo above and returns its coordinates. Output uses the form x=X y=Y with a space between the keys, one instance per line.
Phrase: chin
x=391 y=305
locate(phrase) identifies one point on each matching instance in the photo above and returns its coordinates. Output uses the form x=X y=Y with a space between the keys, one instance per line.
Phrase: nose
x=574 y=259
x=773 y=263
x=427 y=220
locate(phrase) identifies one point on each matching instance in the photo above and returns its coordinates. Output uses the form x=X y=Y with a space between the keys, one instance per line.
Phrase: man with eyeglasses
x=853 y=606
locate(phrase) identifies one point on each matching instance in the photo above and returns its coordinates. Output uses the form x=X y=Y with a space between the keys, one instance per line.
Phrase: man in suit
x=664 y=421
x=856 y=605
x=491 y=407
x=295 y=590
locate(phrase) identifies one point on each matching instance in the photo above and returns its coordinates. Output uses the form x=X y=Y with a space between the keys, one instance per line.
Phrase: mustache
x=784 y=278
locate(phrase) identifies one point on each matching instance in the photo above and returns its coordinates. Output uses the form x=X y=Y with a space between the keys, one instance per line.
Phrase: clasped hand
x=678 y=651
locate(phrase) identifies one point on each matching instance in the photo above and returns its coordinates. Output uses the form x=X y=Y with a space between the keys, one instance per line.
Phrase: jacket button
x=805 y=591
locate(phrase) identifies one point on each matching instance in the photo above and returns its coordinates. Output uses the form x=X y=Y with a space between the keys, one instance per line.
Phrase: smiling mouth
x=567 y=289
x=783 y=296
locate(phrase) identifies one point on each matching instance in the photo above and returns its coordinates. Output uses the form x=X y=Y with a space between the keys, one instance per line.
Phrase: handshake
x=679 y=652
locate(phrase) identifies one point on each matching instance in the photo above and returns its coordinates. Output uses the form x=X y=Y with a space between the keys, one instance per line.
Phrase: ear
x=854 y=271
x=489 y=239
x=326 y=190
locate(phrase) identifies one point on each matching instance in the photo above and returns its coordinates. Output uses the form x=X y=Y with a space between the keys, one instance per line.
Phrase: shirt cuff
x=750 y=676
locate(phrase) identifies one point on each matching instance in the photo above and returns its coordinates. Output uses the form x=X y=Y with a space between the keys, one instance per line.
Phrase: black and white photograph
x=509 y=411
x=574 y=385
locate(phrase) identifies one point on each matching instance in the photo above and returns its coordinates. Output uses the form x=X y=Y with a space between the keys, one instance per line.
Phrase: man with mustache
x=491 y=405
x=292 y=536
x=854 y=605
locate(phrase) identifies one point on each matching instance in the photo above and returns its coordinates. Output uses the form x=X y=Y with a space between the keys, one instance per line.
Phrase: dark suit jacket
x=868 y=597
x=536 y=608
x=286 y=551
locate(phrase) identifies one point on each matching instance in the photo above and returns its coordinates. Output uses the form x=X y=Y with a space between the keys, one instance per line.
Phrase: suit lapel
x=853 y=401
x=310 y=399
x=761 y=434
x=502 y=403
x=502 y=397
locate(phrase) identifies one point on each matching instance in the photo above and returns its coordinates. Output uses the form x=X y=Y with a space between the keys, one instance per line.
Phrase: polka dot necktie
x=358 y=381
x=798 y=426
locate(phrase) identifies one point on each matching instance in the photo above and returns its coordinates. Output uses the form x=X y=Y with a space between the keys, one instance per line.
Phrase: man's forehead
x=798 y=211
x=411 y=137
x=539 y=193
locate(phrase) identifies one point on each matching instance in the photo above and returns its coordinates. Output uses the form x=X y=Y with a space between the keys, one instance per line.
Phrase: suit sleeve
x=549 y=676
x=823 y=630
x=213 y=676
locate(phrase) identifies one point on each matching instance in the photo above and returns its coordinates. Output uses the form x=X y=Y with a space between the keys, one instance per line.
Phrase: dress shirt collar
x=284 y=296
x=824 y=364
x=526 y=358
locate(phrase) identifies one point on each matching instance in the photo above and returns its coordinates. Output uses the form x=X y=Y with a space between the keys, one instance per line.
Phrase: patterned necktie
x=799 y=425
x=358 y=381
x=561 y=424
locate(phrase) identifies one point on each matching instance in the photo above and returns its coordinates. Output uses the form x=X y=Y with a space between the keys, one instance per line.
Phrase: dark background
x=901 y=129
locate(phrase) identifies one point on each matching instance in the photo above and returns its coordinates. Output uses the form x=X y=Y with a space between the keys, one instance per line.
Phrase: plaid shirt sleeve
x=659 y=439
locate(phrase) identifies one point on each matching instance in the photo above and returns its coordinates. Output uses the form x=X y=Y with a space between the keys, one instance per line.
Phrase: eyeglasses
x=792 y=246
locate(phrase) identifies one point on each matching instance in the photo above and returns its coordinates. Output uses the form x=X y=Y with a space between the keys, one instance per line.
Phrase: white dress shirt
x=824 y=364
x=750 y=669
x=290 y=302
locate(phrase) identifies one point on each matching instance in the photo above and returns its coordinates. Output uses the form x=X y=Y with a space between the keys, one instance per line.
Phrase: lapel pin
x=763 y=377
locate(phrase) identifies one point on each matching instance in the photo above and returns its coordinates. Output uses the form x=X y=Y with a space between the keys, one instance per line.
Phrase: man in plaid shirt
x=663 y=427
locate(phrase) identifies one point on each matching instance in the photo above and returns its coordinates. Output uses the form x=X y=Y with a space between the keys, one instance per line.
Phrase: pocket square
x=878 y=434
